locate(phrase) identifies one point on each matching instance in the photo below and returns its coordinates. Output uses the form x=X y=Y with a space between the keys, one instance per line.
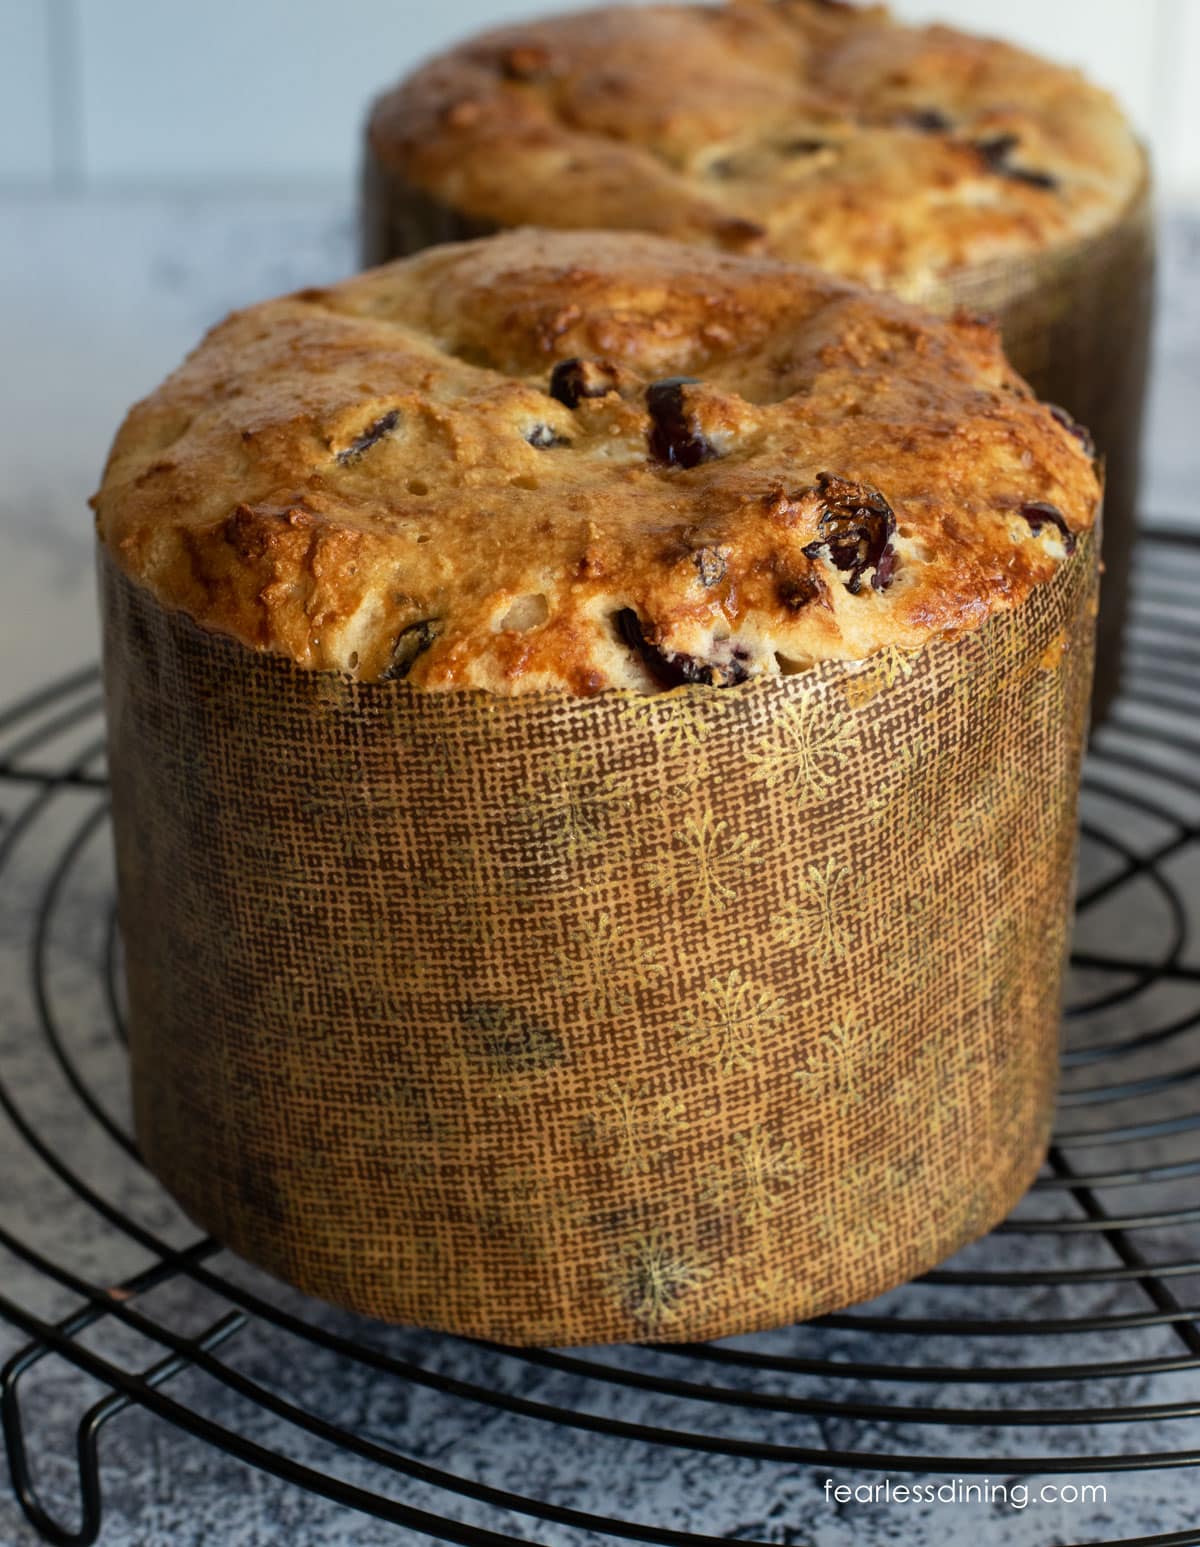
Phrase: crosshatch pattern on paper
x=560 y=1020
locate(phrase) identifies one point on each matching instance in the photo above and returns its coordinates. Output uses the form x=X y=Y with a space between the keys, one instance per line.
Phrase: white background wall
x=196 y=92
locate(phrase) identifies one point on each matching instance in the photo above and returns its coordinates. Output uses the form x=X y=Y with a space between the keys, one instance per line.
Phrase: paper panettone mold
x=954 y=170
x=569 y=1020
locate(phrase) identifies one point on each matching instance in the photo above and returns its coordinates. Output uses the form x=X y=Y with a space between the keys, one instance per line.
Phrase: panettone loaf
x=826 y=134
x=594 y=731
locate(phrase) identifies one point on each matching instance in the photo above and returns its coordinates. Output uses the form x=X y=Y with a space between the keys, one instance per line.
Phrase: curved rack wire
x=1067 y=1343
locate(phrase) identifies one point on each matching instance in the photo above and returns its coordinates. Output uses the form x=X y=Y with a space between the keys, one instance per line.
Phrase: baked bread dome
x=825 y=134
x=950 y=169
x=594 y=734
x=578 y=461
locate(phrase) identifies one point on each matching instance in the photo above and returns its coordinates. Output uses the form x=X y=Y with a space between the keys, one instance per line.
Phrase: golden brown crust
x=818 y=132
x=376 y=478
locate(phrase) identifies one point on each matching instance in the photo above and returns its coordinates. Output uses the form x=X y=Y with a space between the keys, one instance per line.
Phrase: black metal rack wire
x=1078 y=1319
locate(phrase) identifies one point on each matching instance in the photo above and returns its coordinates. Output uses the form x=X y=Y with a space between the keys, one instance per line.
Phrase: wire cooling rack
x=1067 y=1343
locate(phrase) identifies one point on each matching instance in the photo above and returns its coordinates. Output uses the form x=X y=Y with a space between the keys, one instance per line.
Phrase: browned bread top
x=811 y=130
x=581 y=460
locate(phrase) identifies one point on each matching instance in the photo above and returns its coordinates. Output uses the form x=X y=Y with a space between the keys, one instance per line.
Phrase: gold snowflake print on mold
x=729 y=1022
x=990 y=662
x=440 y=756
x=345 y=808
x=562 y=810
x=804 y=749
x=681 y=722
x=933 y=1195
x=914 y=954
x=819 y=922
x=937 y=1062
x=1007 y=956
x=514 y=1051
x=634 y=1122
x=243 y=1081
x=651 y=1275
x=530 y=1212
x=330 y=690
x=402 y=1135
x=393 y=999
x=984 y=827
x=857 y=1213
x=274 y=908
x=913 y=766
x=707 y=862
x=459 y=884
x=759 y=1168
x=841 y=1062
x=606 y=966
x=955 y=686
x=878 y=673
x=1010 y=655
x=387 y=970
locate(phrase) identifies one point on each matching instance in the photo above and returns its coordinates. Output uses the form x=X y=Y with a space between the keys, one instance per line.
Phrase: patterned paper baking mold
x=574 y=1020
x=1076 y=322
